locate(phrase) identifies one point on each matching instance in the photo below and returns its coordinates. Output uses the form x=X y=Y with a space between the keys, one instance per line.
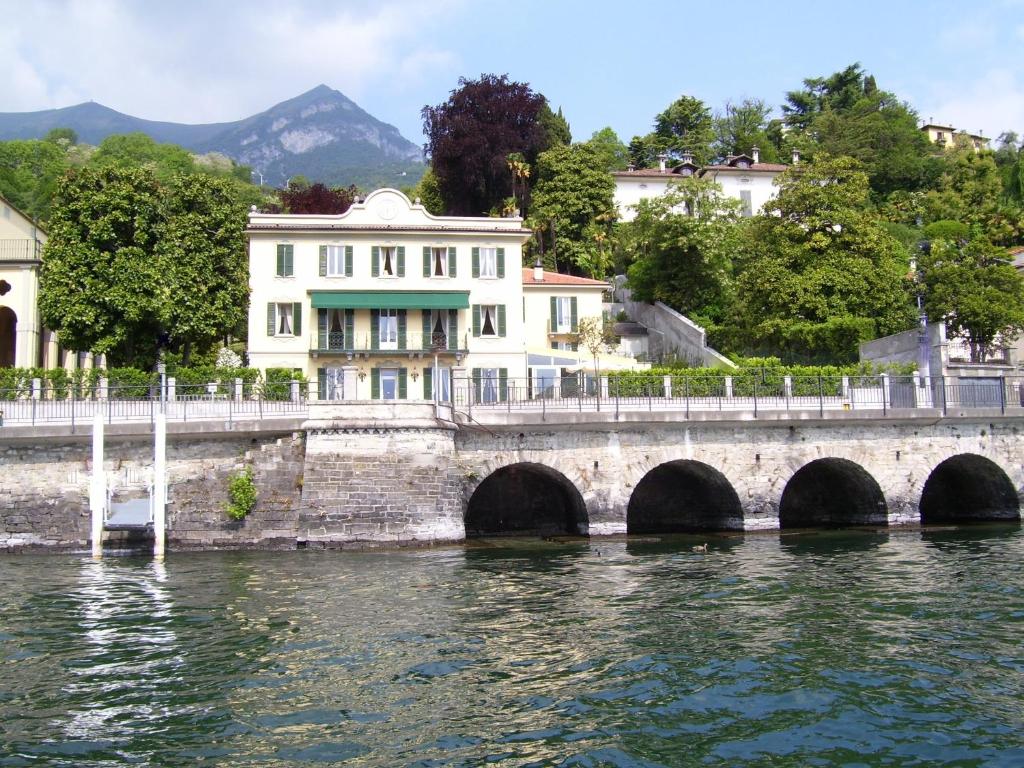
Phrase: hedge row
x=126 y=383
x=761 y=376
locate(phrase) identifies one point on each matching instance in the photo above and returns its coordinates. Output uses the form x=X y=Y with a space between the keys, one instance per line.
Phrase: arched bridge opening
x=526 y=499
x=968 y=488
x=832 y=493
x=681 y=496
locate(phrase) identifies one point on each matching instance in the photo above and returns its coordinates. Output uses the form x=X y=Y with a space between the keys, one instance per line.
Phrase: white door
x=389 y=384
x=388 y=334
x=335 y=384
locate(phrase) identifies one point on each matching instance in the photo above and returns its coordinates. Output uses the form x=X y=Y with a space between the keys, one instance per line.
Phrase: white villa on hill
x=742 y=177
x=387 y=301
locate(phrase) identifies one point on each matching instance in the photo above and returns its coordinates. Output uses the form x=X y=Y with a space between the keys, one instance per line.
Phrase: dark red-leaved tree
x=470 y=137
x=317 y=198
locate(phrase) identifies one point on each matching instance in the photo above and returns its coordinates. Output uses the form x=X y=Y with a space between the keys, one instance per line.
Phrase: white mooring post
x=97 y=487
x=159 y=485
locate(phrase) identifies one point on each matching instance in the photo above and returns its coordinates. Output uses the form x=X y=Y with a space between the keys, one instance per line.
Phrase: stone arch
x=526 y=499
x=684 y=495
x=968 y=487
x=8 y=337
x=832 y=493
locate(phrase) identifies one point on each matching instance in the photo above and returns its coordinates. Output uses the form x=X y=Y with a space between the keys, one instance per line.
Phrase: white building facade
x=387 y=301
x=741 y=177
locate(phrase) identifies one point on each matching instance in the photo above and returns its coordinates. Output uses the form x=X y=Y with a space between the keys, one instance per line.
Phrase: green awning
x=390 y=299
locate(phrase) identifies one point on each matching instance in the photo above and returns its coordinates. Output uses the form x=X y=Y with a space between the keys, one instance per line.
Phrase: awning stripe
x=390 y=299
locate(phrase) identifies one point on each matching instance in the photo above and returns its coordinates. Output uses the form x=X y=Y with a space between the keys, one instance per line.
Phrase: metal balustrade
x=374 y=343
x=230 y=401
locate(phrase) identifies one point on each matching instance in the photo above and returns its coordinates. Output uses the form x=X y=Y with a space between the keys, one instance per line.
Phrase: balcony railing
x=342 y=343
x=20 y=250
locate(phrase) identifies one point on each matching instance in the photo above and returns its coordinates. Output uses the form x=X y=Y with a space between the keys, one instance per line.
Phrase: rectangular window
x=335 y=261
x=285 y=325
x=285 y=260
x=388 y=261
x=437 y=384
x=488 y=385
x=387 y=333
x=488 y=262
x=439 y=262
x=748 y=207
x=488 y=320
x=334 y=384
x=564 y=313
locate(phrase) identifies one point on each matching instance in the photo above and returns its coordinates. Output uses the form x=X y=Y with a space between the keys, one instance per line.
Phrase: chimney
x=538 y=271
x=796 y=157
x=631 y=167
x=687 y=156
x=756 y=154
x=661 y=162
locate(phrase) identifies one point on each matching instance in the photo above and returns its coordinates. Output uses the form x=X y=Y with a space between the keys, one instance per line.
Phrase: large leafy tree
x=132 y=263
x=317 y=198
x=29 y=172
x=740 y=127
x=975 y=290
x=573 y=199
x=471 y=135
x=819 y=272
x=612 y=154
x=681 y=245
x=685 y=125
x=847 y=114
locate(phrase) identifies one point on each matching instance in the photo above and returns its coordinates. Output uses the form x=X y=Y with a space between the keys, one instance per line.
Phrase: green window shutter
x=321 y=383
x=348 y=261
x=401 y=328
x=321 y=329
x=503 y=384
x=403 y=383
x=375 y=261
x=476 y=320
x=375 y=383
x=280 y=260
x=476 y=262
x=290 y=260
x=554 y=315
x=501 y=319
x=428 y=383
x=271 y=319
x=501 y=262
x=427 y=330
x=572 y=314
x=401 y=261
x=350 y=324
x=451 y=262
x=285 y=265
x=453 y=329
x=297 y=316
x=374 y=329
x=323 y=261
x=476 y=385
x=426 y=261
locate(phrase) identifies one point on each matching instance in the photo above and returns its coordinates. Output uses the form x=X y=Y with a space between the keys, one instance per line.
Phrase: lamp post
x=923 y=351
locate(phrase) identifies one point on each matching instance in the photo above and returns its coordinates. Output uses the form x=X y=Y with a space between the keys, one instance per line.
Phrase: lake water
x=850 y=648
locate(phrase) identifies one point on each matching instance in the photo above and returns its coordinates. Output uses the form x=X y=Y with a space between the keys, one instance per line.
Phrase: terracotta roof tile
x=557 y=278
x=755 y=167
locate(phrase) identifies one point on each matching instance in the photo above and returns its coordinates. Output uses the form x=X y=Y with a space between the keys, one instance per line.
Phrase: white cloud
x=205 y=62
x=992 y=103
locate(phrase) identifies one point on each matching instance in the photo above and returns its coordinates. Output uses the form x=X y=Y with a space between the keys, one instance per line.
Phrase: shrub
x=241 y=494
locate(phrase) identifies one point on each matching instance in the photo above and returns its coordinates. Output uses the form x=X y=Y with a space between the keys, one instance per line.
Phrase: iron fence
x=236 y=400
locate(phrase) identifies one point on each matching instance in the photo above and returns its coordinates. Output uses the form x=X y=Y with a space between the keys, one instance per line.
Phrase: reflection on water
x=837 y=648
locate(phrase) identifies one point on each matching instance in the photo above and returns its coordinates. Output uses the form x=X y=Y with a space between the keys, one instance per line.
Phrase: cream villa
x=742 y=177
x=387 y=301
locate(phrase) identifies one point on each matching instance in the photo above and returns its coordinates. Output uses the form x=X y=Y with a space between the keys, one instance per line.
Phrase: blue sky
x=604 y=63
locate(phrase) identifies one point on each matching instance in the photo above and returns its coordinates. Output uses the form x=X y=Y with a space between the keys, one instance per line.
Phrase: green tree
x=139 y=150
x=575 y=195
x=130 y=262
x=29 y=172
x=818 y=270
x=836 y=93
x=975 y=290
x=612 y=154
x=428 y=193
x=970 y=190
x=740 y=127
x=684 y=126
x=556 y=127
x=681 y=245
